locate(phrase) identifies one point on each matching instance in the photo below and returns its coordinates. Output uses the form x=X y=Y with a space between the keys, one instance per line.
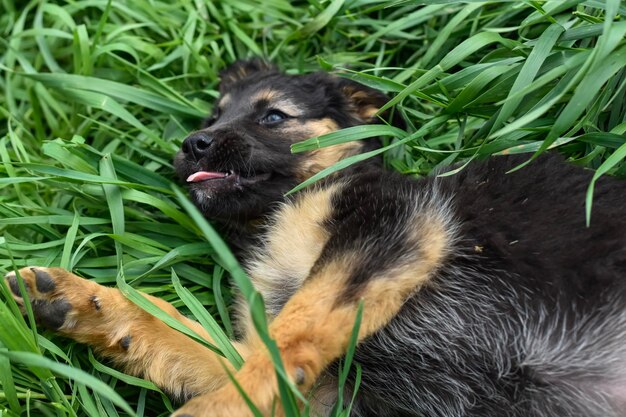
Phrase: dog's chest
x=291 y=247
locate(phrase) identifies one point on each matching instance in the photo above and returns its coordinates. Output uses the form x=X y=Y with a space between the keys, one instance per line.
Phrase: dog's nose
x=197 y=144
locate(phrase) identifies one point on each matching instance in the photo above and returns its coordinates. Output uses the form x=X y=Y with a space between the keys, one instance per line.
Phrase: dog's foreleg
x=116 y=328
x=314 y=327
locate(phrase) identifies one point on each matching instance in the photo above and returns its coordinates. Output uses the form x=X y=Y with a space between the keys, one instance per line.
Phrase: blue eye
x=273 y=117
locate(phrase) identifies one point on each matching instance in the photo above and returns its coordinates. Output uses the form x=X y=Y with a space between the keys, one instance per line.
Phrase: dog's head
x=240 y=164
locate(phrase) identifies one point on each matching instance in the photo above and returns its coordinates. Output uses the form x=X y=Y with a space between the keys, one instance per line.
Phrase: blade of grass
x=115 y=90
x=347 y=135
x=611 y=161
x=80 y=377
x=210 y=325
x=321 y=20
x=142 y=302
x=529 y=70
x=218 y=273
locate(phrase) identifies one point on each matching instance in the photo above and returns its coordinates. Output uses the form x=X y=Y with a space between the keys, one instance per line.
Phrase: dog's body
x=526 y=317
x=484 y=293
x=520 y=320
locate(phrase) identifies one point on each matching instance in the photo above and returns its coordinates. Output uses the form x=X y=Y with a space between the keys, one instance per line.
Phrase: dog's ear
x=363 y=101
x=243 y=69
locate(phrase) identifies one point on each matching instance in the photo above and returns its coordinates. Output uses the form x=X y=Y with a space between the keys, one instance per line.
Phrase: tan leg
x=137 y=341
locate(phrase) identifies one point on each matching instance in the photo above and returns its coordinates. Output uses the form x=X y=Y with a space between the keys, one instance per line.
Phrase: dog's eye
x=273 y=117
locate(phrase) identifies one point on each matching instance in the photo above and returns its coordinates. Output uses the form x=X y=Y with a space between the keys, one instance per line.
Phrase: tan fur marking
x=391 y=292
x=431 y=232
x=369 y=112
x=225 y=100
x=241 y=73
x=322 y=158
x=287 y=107
x=273 y=97
x=266 y=94
x=321 y=127
x=361 y=105
x=294 y=243
x=299 y=131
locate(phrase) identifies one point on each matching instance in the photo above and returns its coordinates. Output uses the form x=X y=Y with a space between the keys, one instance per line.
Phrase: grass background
x=97 y=95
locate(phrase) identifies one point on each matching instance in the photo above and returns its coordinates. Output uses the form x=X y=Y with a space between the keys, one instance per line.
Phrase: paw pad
x=125 y=342
x=13 y=285
x=51 y=314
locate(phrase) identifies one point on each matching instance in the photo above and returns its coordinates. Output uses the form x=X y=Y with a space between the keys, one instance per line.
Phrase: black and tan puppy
x=484 y=293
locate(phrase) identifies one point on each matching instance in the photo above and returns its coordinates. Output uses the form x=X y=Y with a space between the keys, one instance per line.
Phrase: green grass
x=96 y=96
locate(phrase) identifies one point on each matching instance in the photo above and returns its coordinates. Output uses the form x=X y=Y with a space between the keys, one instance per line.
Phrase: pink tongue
x=203 y=175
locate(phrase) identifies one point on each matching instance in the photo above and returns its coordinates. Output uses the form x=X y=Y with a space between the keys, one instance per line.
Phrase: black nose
x=197 y=144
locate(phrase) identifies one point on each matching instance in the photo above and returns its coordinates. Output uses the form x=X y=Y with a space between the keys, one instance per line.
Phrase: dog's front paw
x=56 y=295
x=257 y=378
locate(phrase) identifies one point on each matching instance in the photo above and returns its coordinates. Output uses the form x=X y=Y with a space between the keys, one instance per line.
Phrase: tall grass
x=97 y=95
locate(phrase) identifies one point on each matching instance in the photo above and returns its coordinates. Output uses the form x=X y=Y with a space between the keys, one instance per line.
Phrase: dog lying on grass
x=484 y=293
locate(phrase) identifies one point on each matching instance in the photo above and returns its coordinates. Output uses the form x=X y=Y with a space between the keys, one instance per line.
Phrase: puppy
x=484 y=293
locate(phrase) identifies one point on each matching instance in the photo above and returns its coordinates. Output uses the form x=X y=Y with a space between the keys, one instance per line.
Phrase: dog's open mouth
x=213 y=178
